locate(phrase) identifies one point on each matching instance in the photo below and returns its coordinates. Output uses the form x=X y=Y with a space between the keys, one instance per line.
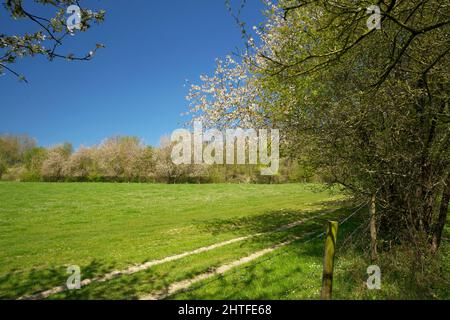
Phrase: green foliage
x=370 y=107
x=126 y=159
x=3 y=165
x=14 y=147
x=366 y=108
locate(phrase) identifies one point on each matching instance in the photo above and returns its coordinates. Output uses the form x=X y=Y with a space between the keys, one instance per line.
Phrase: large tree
x=368 y=107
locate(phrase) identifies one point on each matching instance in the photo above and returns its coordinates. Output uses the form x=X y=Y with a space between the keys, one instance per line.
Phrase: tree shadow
x=21 y=284
x=18 y=284
x=267 y=221
x=269 y=280
x=127 y=287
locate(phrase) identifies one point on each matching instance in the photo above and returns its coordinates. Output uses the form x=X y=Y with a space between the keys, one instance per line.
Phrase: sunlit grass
x=104 y=227
x=44 y=227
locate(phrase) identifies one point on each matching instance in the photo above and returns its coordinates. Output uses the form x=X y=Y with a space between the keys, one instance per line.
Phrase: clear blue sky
x=135 y=85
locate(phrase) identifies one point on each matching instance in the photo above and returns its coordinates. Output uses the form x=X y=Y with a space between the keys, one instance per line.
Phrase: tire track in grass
x=180 y=286
x=147 y=265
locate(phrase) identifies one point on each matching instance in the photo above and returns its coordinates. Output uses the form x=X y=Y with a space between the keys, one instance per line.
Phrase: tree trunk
x=373 y=230
x=442 y=219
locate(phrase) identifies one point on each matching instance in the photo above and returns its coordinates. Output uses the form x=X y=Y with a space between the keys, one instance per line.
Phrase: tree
x=33 y=161
x=368 y=108
x=13 y=148
x=146 y=164
x=119 y=158
x=50 y=34
x=14 y=153
x=81 y=164
x=53 y=168
x=165 y=169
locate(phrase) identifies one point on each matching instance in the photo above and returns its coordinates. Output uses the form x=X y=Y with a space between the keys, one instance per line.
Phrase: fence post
x=328 y=259
x=373 y=230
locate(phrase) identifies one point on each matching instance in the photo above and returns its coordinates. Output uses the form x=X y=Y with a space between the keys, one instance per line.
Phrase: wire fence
x=283 y=251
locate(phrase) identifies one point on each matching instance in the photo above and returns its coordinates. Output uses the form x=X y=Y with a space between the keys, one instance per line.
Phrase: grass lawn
x=45 y=227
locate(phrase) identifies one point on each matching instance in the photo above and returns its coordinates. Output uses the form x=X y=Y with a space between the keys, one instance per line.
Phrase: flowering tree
x=81 y=164
x=50 y=34
x=228 y=98
x=368 y=108
x=53 y=168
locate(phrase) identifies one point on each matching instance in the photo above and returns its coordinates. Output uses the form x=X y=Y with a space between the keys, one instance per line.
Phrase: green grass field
x=45 y=227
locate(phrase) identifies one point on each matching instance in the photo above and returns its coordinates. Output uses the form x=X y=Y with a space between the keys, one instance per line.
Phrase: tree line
x=125 y=159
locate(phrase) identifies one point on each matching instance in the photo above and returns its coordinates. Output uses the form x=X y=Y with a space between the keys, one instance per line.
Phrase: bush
x=16 y=173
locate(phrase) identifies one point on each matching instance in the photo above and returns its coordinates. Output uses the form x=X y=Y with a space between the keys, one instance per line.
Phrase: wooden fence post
x=328 y=259
x=373 y=230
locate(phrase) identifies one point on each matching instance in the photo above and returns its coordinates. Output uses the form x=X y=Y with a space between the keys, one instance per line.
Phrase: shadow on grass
x=269 y=220
x=18 y=284
x=295 y=274
x=130 y=287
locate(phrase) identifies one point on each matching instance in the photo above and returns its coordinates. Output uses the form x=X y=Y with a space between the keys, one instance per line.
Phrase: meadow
x=102 y=228
x=44 y=227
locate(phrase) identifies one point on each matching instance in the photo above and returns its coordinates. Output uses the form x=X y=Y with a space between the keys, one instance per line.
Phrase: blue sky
x=135 y=85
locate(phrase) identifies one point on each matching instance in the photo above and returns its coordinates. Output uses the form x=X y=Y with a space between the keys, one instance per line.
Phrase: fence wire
x=241 y=269
x=308 y=238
